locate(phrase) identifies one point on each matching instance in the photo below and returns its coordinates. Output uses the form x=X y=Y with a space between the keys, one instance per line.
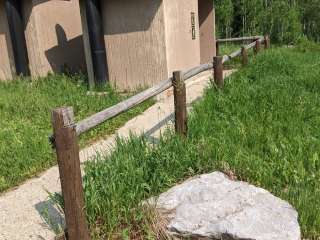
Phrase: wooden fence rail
x=240 y=39
x=66 y=131
x=100 y=117
x=237 y=53
x=233 y=40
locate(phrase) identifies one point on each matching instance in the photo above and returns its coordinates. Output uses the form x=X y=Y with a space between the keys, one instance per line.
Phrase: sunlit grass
x=228 y=48
x=264 y=126
x=25 y=120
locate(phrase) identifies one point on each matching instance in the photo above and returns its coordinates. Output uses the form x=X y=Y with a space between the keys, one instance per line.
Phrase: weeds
x=25 y=109
x=263 y=128
x=227 y=48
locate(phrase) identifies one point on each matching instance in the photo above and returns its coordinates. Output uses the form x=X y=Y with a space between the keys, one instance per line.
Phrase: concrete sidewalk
x=26 y=212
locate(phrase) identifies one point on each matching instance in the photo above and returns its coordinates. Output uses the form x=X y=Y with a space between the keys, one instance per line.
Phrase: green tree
x=224 y=11
x=281 y=20
x=310 y=10
x=284 y=20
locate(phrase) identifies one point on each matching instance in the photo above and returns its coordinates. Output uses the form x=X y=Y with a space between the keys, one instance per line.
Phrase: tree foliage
x=285 y=20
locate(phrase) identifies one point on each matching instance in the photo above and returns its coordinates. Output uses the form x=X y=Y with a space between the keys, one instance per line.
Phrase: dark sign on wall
x=193 y=25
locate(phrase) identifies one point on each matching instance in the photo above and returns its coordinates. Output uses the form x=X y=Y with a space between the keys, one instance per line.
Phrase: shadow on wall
x=26 y=8
x=129 y=16
x=205 y=9
x=67 y=55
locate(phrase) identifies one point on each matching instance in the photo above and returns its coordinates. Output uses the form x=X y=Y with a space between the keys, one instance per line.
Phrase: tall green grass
x=264 y=127
x=228 y=48
x=25 y=120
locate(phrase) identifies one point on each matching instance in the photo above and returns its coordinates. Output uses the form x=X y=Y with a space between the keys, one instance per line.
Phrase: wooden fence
x=235 y=40
x=66 y=131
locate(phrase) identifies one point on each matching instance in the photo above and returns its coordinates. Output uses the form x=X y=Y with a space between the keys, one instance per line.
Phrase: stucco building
x=146 y=40
x=7 y=65
x=52 y=33
x=131 y=43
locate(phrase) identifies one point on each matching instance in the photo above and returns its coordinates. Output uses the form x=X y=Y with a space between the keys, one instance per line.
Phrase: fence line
x=232 y=40
x=66 y=131
x=240 y=39
x=237 y=53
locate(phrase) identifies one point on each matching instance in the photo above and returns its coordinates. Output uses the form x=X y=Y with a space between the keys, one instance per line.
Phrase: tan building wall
x=54 y=36
x=147 y=40
x=7 y=68
x=135 y=42
x=183 y=49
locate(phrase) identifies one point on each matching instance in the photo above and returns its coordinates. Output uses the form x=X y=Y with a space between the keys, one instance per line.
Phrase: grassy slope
x=25 y=108
x=227 y=48
x=264 y=127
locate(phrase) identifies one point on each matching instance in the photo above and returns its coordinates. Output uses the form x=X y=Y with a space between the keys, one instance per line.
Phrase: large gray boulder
x=214 y=207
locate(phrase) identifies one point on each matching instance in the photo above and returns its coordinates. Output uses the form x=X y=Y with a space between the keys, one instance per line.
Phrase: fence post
x=218 y=71
x=266 y=42
x=257 y=47
x=67 y=150
x=180 y=104
x=217 y=48
x=244 y=54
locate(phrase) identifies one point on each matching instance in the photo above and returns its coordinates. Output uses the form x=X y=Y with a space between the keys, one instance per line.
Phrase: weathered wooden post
x=180 y=104
x=244 y=54
x=218 y=71
x=67 y=149
x=217 y=48
x=257 y=47
x=266 y=41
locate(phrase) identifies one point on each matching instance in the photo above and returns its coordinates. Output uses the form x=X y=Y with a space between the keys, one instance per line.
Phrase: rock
x=214 y=207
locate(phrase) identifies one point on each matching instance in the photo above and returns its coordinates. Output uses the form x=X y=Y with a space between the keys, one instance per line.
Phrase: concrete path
x=26 y=212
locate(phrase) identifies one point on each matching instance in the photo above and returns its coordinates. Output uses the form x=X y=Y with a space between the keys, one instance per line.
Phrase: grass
x=264 y=127
x=25 y=109
x=227 y=48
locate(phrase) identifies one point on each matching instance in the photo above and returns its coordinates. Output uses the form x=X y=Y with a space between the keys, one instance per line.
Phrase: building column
x=18 y=41
x=93 y=36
